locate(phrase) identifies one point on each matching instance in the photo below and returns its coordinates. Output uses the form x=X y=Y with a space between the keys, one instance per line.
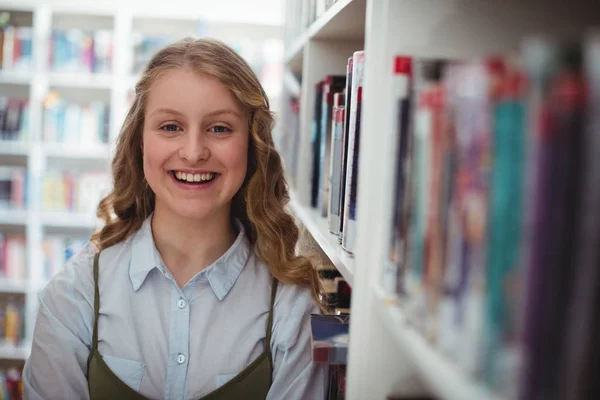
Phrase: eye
x=220 y=129
x=170 y=128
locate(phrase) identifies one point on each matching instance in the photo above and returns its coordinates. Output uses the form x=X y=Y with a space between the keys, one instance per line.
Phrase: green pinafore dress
x=252 y=383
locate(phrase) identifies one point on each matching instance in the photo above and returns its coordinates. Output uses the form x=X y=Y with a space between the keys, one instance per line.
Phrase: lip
x=193 y=171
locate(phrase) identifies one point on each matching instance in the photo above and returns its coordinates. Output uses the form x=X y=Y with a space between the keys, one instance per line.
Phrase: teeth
x=184 y=176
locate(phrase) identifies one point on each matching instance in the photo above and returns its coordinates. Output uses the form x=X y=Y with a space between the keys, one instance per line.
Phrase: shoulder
x=75 y=282
x=293 y=306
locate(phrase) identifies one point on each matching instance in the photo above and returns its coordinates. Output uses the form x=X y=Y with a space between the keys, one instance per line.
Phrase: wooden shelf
x=318 y=228
x=443 y=377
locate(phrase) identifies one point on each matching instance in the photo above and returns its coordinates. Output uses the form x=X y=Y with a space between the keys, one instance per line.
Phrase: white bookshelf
x=125 y=18
x=318 y=227
x=386 y=355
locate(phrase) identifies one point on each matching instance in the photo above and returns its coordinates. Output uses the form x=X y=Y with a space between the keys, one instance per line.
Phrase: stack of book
x=13 y=257
x=16 y=46
x=80 y=51
x=329 y=333
x=72 y=123
x=12 y=320
x=11 y=384
x=14 y=119
x=13 y=188
x=75 y=191
x=495 y=229
x=144 y=48
x=335 y=148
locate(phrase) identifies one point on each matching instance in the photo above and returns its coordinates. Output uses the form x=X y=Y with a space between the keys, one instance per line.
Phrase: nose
x=194 y=148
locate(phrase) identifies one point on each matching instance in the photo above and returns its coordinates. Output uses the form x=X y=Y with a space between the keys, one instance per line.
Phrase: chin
x=197 y=211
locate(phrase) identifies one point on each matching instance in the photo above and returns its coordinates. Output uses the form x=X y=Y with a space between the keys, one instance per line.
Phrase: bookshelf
x=387 y=356
x=102 y=82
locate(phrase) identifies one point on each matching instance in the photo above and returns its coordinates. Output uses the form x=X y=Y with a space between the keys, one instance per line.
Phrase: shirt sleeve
x=295 y=377
x=57 y=366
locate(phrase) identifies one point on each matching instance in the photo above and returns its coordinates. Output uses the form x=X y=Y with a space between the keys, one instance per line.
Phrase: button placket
x=178 y=344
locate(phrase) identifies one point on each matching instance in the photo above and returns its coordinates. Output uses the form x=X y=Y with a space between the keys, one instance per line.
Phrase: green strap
x=96 y=304
x=270 y=323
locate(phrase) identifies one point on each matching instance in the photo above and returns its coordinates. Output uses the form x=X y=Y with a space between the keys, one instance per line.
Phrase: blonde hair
x=259 y=204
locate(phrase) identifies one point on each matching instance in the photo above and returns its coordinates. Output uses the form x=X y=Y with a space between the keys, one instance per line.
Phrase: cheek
x=237 y=159
x=155 y=153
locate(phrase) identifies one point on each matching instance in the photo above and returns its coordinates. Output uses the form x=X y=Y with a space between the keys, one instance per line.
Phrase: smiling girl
x=194 y=289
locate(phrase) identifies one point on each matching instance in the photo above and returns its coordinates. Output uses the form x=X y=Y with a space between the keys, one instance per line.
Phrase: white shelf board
x=445 y=379
x=68 y=220
x=8 y=352
x=15 y=77
x=80 y=80
x=345 y=20
x=14 y=148
x=318 y=228
x=294 y=56
x=13 y=217
x=12 y=286
x=67 y=150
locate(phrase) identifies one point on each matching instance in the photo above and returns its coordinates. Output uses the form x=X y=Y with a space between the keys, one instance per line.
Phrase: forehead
x=190 y=92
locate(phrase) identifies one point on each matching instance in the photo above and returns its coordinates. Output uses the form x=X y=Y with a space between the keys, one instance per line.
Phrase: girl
x=195 y=290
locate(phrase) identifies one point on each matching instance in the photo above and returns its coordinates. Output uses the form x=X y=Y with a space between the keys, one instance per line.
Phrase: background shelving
x=387 y=356
x=64 y=73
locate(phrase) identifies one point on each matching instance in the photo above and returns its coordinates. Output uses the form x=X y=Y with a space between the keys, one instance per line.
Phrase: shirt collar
x=221 y=274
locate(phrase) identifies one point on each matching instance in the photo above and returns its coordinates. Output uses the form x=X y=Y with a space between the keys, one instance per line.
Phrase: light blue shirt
x=165 y=341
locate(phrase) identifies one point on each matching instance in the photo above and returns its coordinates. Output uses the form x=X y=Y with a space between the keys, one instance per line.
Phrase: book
x=332 y=84
x=393 y=268
x=345 y=140
x=329 y=338
x=337 y=166
x=351 y=183
x=315 y=141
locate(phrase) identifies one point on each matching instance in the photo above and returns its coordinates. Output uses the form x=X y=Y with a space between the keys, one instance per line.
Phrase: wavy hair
x=259 y=204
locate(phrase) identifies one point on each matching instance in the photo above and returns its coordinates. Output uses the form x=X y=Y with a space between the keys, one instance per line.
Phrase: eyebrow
x=224 y=111
x=210 y=114
x=166 y=111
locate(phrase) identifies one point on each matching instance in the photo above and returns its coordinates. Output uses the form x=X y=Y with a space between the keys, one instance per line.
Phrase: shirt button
x=181 y=303
x=180 y=359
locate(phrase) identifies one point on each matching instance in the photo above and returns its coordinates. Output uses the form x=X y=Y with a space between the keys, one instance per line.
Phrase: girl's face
x=195 y=144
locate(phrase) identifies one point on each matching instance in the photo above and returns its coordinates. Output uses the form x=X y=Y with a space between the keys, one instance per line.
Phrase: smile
x=193 y=178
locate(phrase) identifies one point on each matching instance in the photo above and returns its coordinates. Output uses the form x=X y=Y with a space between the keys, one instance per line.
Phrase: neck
x=189 y=246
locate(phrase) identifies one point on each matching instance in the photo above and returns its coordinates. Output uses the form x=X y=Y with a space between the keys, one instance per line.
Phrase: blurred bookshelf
x=428 y=318
x=67 y=76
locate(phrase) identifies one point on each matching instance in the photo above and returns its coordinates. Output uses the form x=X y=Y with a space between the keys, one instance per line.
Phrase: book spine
x=316 y=145
x=336 y=169
x=348 y=97
x=393 y=270
x=350 y=193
